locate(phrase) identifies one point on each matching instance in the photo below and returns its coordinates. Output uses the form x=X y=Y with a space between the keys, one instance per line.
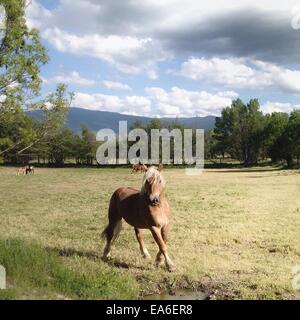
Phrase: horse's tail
x=113 y=229
x=112 y=234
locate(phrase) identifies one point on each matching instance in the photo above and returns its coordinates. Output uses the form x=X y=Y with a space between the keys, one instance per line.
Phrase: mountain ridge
x=97 y=120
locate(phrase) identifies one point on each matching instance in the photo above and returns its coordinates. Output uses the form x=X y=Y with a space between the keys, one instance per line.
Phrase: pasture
x=234 y=234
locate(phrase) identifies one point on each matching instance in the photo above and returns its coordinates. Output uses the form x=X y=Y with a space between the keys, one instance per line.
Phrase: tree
x=275 y=126
x=210 y=145
x=21 y=57
x=19 y=132
x=239 y=131
x=287 y=146
x=86 y=148
x=21 y=54
x=61 y=146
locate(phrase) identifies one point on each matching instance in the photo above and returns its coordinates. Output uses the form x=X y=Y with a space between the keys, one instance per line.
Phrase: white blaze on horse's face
x=154 y=193
x=153 y=186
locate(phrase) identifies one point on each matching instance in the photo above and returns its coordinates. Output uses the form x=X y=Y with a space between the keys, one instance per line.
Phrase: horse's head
x=153 y=185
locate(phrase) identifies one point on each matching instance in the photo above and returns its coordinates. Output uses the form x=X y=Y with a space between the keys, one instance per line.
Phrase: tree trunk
x=289 y=161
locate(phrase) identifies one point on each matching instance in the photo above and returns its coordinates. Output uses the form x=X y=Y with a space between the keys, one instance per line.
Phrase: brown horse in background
x=143 y=209
x=139 y=167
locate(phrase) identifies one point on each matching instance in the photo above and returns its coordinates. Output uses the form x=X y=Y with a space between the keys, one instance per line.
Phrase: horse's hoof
x=145 y=254
x=106 y=257
x=171 y=268
x=159 y=263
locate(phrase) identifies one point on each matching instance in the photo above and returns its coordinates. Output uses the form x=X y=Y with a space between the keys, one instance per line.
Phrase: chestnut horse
x=139 y=167
x=143 y=209
x=22 y=170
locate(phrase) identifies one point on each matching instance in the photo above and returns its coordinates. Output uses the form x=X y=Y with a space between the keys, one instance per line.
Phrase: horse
x=139 y=167
x=22 y=170
x=142 y=209
x=25 y=170
x=29 y=169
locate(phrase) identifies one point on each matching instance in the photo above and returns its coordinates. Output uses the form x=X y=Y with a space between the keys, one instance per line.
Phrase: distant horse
x=25 y=170
x=143 y=209
x=22 y=170
x=29 y=169
x=139 y=167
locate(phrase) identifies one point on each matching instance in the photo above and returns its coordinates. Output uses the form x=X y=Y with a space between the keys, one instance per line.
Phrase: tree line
x=245 y=133
x=242 y=132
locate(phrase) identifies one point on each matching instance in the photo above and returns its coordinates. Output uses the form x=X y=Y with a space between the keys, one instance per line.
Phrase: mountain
x=97 y=120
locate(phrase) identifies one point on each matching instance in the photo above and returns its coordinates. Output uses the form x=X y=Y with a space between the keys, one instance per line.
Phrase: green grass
x=234 y=233
x=33 y=272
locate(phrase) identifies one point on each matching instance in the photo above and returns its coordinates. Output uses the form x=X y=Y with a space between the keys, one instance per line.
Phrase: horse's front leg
x=139 y=236
x=159 y=257
x=157 y=235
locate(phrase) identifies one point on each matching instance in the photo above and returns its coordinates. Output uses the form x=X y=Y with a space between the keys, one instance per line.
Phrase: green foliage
x=21 y=57
x=239 y=131
x=287 y=145
x=86 y=148
x=275 y=126
x=61 y=145
x=19 y=132
x=246 y=134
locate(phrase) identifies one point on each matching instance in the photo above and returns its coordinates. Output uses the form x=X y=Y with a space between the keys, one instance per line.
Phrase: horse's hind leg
x=111 y=232
x=139 y=236
x=107 y=249
x=113 y=228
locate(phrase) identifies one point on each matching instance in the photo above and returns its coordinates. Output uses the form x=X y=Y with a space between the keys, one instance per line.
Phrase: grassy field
x=234 y=234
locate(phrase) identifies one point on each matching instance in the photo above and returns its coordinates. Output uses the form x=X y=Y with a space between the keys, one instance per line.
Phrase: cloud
x=135 y=36
x=249 y=31
x=128 y=54
x=175 y=102
x=129 y=105
x=44 y=80
x=159 y=102
x=185 y=103
x=270 y=107
x=74 y=78
x=114 y=85
x=242 y=73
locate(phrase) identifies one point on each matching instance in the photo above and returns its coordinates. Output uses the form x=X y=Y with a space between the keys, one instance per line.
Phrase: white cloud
x=115 y=85
x=181 y=102
x=242 y=73
x=128 y=54
x=270 y=107
x=74 y=78
x=44 y=80
x=176 y=102
x=128 y=105
x=159 y=102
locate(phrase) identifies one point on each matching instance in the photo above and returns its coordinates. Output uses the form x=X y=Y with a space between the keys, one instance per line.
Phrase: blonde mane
x=153 y=176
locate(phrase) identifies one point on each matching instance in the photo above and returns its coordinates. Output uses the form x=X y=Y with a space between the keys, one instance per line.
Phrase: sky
x=174 y=58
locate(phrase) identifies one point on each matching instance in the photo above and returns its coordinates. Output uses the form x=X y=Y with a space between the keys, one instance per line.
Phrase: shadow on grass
x=124 y=265
x=92 y=255
x=71 y=252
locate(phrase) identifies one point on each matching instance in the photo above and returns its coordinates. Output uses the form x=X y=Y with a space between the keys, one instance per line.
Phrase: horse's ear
x=160 y=167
